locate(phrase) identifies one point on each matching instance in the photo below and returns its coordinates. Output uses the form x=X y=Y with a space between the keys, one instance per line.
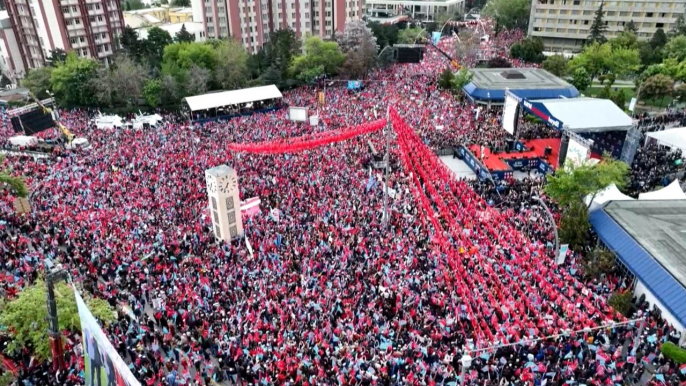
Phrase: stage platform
x=501 y=165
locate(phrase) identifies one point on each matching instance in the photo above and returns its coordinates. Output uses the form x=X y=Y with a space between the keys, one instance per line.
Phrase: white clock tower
x=224 y=202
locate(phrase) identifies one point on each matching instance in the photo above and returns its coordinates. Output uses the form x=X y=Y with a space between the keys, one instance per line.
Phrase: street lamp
x=54 y=274
x=466 y=364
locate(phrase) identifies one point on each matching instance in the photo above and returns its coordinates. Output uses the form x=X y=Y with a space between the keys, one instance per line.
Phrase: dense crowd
x=328 y=294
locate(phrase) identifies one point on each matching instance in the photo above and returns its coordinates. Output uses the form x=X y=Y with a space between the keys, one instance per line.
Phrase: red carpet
x=494 y=162
x=539 y=146
x=491 y=161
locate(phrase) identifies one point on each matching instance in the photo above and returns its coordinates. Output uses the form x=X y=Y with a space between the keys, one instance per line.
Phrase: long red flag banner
x=306 y=142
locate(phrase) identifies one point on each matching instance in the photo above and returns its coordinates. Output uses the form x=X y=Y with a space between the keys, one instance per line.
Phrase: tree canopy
x=573 y=183
x=529 y=49
x=509 y=14
x=15 y=183
x=71 y=80
x=598 y=27
x=26 y=316
x=410 y=35
x=556 y=65
x=320 y=58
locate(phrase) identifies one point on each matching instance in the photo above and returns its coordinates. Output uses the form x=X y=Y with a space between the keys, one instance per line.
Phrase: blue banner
x=435 y=37
x=354 y=85
x=539 y=110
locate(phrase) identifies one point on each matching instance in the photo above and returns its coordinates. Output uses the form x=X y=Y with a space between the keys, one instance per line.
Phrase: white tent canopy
x=673 y=138
x=234 y=97
x=611 y=193
x=672 y=191
x=588 y=114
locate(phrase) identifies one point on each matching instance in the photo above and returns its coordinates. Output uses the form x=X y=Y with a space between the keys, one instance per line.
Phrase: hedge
x=674 y=352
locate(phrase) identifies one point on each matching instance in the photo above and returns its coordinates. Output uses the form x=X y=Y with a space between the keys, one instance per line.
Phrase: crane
x=68 y=135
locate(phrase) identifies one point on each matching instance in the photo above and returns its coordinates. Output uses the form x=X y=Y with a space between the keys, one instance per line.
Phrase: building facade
x=251 y=21
x=87 y=27
x=565 y=24
x=391 y=11
x=9 y=49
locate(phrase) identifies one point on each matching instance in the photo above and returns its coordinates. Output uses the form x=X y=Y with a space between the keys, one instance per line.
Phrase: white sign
x=314 y=120
x=510 y=114
x=632 y=104
x=576 y=153
x=102 y=361
x=563 y=254
x=297 y=114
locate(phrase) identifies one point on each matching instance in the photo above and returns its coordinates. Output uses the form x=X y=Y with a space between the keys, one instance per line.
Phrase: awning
x=581 y=115
x=231 y=98
x=672 y=191
x=673 y=138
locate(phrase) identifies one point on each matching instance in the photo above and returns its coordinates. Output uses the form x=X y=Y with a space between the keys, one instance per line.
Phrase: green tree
x=574 y=225
x=120 y=84
x=181 y=3
x=152 y=92
x=556 y=65
x=386 y=35
x=154 y=46
x=197 y=80
x=183 y=36
x=26 y=317
x=283 y=46
x=71 y=79
x=133 y=5
x=410 y=35
x=184 y=55
x=14 y=183
x=598 y=262
x=257 y=64
x=446 y=79
x=580 y=79
x=631 y=27
x=598 y=27
x=626 y=40
x=657 y=87
x=659 y=39
x=56 y=56
x=679 y=27
x=620 y=301
x=320 y=58
x=676 y=48
x=37 y=80
x=593 y=59
x=462 y=78
x=529 y=49
x=508 y=14
x=619 y=98
x=573 y=183
x=231 y=71
x=623 y=62
x=131 y=44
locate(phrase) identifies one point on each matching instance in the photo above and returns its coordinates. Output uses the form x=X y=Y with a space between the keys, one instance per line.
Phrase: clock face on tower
x=228 y=184
x=211 y=185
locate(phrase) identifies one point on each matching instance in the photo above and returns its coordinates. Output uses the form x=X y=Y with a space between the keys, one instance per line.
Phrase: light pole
x=54 y=274
x=552 y=222
x=466 y=364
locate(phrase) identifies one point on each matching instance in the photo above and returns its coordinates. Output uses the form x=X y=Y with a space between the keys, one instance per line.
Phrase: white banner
x=297 y=114
x=563 y=254
x=510 y=114
x=100 y=358
x=576 y=153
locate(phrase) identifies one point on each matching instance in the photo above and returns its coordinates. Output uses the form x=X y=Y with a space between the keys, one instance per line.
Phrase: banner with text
x=103 y=365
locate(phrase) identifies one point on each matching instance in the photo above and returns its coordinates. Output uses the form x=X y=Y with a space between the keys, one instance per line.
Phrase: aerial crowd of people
x=331 y=291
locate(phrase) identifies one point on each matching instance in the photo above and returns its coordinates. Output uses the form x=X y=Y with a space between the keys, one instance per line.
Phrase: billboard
x=576 y=153
x=103 y=365
x=297 y=114
x=510 y=115
x=435 y=37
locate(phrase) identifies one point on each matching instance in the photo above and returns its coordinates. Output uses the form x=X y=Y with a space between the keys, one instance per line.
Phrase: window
x=73 y=8
x=100 y=49
x=649 y=14
x=307 y=24
x=92 y=19
x=84 y=51
x=90 y=7
x=328 y=13
x=97 y=6
x=104 y=35
x=107 y=47
x=662 y=14
x=65 y=9
x=585 y=22
x=77 y=21
x=73 y=40
x=307 y=15
x=577 y=2
x=293 y=15
x=660 y=25
x=99 y=17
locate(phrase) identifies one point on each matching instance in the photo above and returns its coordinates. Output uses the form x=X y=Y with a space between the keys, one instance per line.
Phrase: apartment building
x=388 y=11
x=251 y=21
x=565 y=24
x=88 y=27
x=9 y=49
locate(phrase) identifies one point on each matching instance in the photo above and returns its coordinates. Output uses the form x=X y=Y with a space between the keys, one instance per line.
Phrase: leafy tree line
x=160 y=70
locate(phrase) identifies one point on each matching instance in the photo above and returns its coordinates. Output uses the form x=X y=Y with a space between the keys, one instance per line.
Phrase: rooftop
x=659 y=227
x=649 y=238
x=516 y=78
x=586 y=114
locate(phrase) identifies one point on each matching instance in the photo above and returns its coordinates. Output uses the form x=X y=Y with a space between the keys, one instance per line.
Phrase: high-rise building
x=251 y=21
x=565 y=24
x=88 y=27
